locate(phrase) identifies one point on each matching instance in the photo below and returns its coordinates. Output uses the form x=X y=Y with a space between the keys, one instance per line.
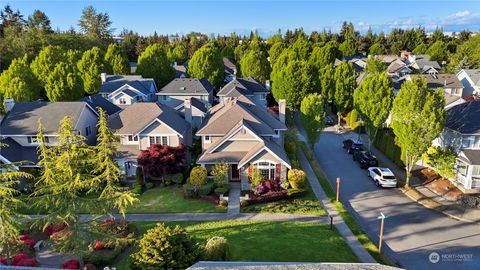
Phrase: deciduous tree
x=377 y=49
x=153 y=63
x=116 y=60
x=418 y=117
x=160 y=160
x=375 y=65
x=46 y=61
x=64 y=83
x=256 y=65
x=345 y=84
x=207 y=63
x=18 y=82
x=312 y=116
x=90 y=66
x=327 y=82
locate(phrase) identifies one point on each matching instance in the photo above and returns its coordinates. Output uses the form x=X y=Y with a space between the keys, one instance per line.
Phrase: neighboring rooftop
x=98 y=101
x=474 y=75
x=139 y=115
x=441 y=81
x=14 y=152
x=114 y=82
x=187 y=86
x=24 y=116
x=230 y=67
x=464 y=118
x=242 y=86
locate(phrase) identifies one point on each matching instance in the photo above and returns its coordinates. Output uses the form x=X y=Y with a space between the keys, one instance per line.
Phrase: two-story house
x=230 y=69
x=145 y=123
x=19 y=127
x=244 y=135
x=450 y=84
x=97 y=101
x=470 y=79
x=248 y=87
x=462 y=134
x=124 y=90
x=179 y=89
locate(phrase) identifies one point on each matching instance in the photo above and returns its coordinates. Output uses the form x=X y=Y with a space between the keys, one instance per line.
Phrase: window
x=137 y=98
x=32 y=139
x=162 y=140
x=462 y=168
x=122 y=101
x=468 y=141
x=277 y=133
x=476 y=171
x=88 y=131
x=207 y=139
x=132 y=138
x=266 y=169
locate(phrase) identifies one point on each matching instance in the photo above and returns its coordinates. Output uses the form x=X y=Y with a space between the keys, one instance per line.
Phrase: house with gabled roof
x=19 y=127
x=175 y=92
x=97 y=101
x=230 y=69
x=145 y=123
x=124 y=90
x=245 y=135
x=248 y=87
x=470 y=79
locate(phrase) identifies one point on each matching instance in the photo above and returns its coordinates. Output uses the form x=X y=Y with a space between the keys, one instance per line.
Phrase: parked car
x=383 y=177
x=352 y=145
x=366 y=159
x=329 y=121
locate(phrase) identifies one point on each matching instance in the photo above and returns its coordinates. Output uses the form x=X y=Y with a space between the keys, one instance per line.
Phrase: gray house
x=19 y=127
x=248 y=87
x=142 y=124
x=175 y=92
x=244 y=134
x=470 y=79
x=462 y=134
x=124 y=90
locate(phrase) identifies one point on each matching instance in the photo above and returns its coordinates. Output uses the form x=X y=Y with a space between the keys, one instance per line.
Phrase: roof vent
x=183 y=88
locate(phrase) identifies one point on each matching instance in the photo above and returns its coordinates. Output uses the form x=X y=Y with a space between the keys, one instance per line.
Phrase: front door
x=235 y=175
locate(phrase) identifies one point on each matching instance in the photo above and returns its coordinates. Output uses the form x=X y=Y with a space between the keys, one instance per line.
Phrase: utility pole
x=338 y=187
x=382 y=218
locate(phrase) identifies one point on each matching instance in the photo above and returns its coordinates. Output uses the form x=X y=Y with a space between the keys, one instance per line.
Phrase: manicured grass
x=346 y=216
x=306 y=205
x=170 y=200
x=269 y=241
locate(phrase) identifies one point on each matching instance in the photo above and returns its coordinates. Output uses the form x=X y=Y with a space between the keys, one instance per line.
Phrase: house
x=124 y=90
x=180 y=70
x=424 y=66
x=230 y=69
x=175 y=92
x=248 y=87
x=470 y=79
x=98 y=101
x=398 y=69
x=19 y=127
x=145 y=123
x=449 y=83
x=244 y=135
x=194 y=108
x=462 y=134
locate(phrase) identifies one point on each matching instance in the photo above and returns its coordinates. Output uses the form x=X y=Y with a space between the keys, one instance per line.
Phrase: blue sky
x=267 y=16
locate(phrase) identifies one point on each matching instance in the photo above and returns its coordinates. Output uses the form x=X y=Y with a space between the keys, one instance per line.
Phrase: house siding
x=176 y=100
x=88 y=119
x=231 y=146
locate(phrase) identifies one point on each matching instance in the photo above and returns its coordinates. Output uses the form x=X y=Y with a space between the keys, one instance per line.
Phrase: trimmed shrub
x=178 y=250
x=198 y=176
x=175 y=178
x=223 y=203
x=188 y=190
x=149 y=185
x=296 y=178
x=269 y=197
x=205 y=189
x=139 y=175
x=220 y=173
x=101 y=258
x=137 y=188
x=222 y=190
x=216 y=249
x=71 y=264
x=243 y=203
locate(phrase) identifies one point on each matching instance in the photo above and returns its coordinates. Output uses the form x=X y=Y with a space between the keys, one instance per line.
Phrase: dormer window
x=207 y=139
x=132 y=138
x=122 y=101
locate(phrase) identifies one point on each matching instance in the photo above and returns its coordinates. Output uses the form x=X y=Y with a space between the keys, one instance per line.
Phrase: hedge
x=385 y=143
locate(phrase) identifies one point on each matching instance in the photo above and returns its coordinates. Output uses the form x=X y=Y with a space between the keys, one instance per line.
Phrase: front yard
x=170 y=199
x=267 y=241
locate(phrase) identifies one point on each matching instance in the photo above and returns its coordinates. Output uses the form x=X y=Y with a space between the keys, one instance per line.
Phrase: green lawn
x=305 y=205
x=171 y=200
x=268 y=241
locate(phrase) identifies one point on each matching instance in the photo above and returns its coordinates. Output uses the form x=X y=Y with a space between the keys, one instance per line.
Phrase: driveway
x=412 y=232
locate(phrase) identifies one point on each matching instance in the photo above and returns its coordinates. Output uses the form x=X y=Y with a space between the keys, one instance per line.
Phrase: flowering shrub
x=99 y=245
x=269 y=197
x=71 y=264
x=31 y=262
x=271 y=185
x=54 y=228
x=19 y=257
x=296 y=178
x=260 y=189
x=26 y=241
x=3 y=261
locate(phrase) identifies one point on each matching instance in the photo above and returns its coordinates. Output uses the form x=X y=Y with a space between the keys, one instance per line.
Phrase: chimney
x=445 y=82
x=282 y=104
x=9 y=103
x=175 y=64
x=267 y=85
x=187 y=105
x=104 y=77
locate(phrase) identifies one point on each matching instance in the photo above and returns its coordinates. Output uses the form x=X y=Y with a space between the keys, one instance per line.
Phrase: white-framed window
x=462 y=167
x=266 y=169
x=207 y=139
x=162 y=140
x=88 y=131
x=34 y=139
x=122 y=101
x=476 y=171
x=132 y=138
x=468 y=141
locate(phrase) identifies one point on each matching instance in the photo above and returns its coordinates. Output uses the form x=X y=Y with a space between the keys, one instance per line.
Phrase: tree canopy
x=117 y=60
x=64 y=83
x=418 y=117
x=90 y=66
x=312 y=116
x=19 y=82
x=46 y=61
x=95 y=24
x=153 y=63
x=39 y=21
x=345 y=84
x=377 y=49
x=256 y=65
x=207 y=63
x=438 y=51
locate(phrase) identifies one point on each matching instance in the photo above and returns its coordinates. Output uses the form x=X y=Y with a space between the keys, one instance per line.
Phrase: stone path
x=234 y=199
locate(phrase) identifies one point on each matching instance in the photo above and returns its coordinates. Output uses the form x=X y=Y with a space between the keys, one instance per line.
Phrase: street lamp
x=382 y=218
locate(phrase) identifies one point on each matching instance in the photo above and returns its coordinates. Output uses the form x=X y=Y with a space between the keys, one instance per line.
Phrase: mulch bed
x=438 y=184
x=213 y=198
x=270 y=196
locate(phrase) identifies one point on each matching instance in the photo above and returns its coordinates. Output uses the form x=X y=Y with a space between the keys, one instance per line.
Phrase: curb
x=436 y=209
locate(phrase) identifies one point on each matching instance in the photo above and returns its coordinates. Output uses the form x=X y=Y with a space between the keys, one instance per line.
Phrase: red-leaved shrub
x=31 y=262
x=99 y=245
x=54 y=228
x=3 y=261
x=71 y=264
x=18 y=257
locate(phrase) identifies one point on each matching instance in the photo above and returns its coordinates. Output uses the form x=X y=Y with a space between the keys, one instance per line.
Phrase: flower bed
x=20 y=259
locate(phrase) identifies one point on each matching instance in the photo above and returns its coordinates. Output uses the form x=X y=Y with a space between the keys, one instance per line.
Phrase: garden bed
x=439 y=185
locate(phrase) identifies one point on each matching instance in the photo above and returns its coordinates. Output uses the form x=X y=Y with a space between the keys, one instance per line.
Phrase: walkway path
x=234 y=199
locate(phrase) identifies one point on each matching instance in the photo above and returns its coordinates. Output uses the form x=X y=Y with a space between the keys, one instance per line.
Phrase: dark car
x=329 y=121
x=352 y=146
x=366 y=159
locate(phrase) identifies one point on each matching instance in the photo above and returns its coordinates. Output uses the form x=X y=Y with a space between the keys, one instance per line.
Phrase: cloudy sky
x=266 y=16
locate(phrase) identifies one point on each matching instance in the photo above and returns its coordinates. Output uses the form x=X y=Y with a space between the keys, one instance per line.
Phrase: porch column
x=468 y=178
x=283 y=172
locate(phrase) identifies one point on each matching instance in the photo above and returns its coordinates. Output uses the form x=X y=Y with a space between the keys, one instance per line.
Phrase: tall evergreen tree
x=95 y=24
x=90 y=66
x=18 y=82
x=46 y=61
x=116 y=60
x=153 y=63
x=64 y=83
x=39 y=21
x=207 y=63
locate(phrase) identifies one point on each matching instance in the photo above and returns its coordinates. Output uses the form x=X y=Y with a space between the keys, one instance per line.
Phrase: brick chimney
x=187 y=105
x=104 y=77
x=282 y=107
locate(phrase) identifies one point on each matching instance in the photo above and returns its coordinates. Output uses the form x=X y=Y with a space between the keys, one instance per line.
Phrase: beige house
x=19 y=127
x=244 y=135
x=142 y=124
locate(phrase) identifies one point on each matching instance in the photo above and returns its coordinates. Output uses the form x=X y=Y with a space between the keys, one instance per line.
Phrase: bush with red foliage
x=30 y=262
x=3 y=261
x=271 y=185
x=71 y=264
x=99 y=245
x=159 y=160
x=474 y=97
x=26 y=241
x=269 y=197
x=114 y=226
x=54 y=228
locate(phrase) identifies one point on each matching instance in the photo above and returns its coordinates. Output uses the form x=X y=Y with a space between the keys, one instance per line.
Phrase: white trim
x=161 y=138
x=271 y=152
x=205 y=139
x=80 y=115
x=225 y=139
x=121 y=88
x=8 y=162
x=161 y=122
